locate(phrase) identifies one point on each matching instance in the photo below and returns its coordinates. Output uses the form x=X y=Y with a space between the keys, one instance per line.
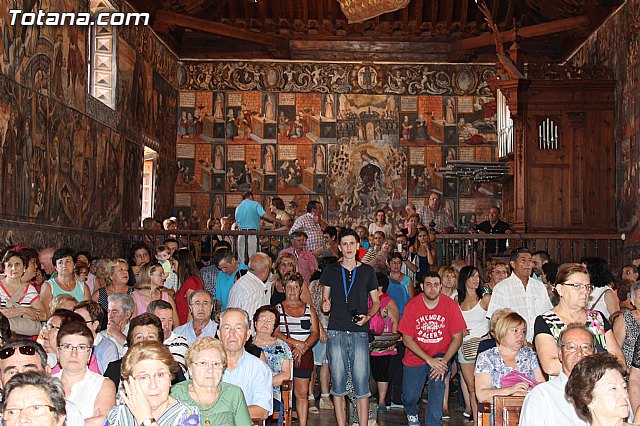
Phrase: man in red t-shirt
x=431 y=328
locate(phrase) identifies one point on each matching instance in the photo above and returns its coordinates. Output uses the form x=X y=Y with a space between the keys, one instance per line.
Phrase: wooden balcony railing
x=471 y=248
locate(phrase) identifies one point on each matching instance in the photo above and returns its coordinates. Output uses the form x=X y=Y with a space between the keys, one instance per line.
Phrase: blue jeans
x=353 y=347
x=413 y=379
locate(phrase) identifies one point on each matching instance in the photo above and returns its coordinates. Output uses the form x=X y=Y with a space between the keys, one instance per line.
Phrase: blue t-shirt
x=248 y=214
x=224 y=282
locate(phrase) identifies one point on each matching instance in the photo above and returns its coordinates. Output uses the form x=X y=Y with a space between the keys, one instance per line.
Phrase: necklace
x=214 y=395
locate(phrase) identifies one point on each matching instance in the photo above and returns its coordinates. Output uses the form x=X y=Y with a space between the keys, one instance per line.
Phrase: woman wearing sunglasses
x=93 y=394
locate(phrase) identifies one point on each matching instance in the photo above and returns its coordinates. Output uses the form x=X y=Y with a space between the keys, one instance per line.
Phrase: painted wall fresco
x=65 y=156
x=617 y=45
x=354 y=137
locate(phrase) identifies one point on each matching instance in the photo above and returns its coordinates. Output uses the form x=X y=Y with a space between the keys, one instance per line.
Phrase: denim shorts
x=320 y=353
x=348 y=348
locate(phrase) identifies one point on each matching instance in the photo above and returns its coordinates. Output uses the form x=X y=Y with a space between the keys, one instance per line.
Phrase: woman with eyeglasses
x=276 y=351
x=219 y=403
x=91 y=392
x=147 y=370
x=149 y=288
x=36 y=396
x=573 y=288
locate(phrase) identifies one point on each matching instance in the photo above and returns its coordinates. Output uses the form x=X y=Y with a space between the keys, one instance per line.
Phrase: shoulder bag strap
x=286 y=324
x=598 y=299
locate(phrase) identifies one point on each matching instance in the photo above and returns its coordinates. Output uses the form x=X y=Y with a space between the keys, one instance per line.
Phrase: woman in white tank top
x=473 y=305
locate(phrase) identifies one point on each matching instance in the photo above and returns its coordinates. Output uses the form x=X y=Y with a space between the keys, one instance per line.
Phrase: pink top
x=141 y=304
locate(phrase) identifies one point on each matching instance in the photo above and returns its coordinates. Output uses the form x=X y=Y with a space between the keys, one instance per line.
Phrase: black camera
x=356 y=316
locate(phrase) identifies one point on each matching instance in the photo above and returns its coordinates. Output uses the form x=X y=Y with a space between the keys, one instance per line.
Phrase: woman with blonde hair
x=149 y=287
x=117 y=271
x=147 y=370
x=219 y=403
x=509 y=358
x=449 y=279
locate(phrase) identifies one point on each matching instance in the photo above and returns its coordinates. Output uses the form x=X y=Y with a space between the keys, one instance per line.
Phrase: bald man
x=253 y=289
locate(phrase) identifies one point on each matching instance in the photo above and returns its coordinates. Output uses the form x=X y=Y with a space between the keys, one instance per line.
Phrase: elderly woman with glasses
x=219 y=403
x=93 y=394
x=277 y=352
x=35 y=396
x=573 y=288
x=147 y=370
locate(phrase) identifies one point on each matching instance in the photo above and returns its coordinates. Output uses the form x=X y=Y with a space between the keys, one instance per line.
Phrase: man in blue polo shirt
x=248 y=215
x=231 y=270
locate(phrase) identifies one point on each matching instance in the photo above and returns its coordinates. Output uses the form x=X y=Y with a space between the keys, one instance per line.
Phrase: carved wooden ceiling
x=424 y=31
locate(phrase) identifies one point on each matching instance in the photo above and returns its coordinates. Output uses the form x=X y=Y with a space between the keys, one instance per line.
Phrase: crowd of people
x=169 y=338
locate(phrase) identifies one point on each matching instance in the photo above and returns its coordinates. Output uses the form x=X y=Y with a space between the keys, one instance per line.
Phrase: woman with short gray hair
x=34 y=394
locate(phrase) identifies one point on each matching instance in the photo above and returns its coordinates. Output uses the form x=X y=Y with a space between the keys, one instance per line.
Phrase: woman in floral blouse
x=511 y=358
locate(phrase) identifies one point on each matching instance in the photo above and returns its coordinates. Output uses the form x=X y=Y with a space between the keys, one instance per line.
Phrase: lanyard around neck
x=344 y=282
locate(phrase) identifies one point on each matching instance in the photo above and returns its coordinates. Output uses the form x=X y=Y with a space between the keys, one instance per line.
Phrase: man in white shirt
x=521 y=293
x=546 y=404
x=252 y=290
x=200 y=306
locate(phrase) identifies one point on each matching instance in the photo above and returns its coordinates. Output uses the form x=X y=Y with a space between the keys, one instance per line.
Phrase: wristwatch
x=148 y=422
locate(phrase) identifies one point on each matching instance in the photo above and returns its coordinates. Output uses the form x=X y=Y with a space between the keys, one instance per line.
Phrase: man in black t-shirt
x=494 y=226
x=347 y=287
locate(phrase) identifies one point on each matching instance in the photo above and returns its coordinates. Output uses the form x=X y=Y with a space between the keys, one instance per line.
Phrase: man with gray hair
x=200 y=306
x=546 y=403
x=121 y=308
x=251 y=374
x=253 y=289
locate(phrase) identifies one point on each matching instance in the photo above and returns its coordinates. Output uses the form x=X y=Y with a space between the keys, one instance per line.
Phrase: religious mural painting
x=354 y=150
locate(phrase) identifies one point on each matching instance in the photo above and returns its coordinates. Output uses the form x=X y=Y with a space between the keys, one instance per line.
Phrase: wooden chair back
x=507 y=410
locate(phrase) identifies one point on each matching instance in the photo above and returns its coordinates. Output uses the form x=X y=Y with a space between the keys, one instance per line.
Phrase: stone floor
x=393 y=417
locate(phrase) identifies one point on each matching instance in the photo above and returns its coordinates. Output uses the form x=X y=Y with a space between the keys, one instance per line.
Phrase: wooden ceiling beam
x=531 y=31
x=165 y=19
x=218 y=10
